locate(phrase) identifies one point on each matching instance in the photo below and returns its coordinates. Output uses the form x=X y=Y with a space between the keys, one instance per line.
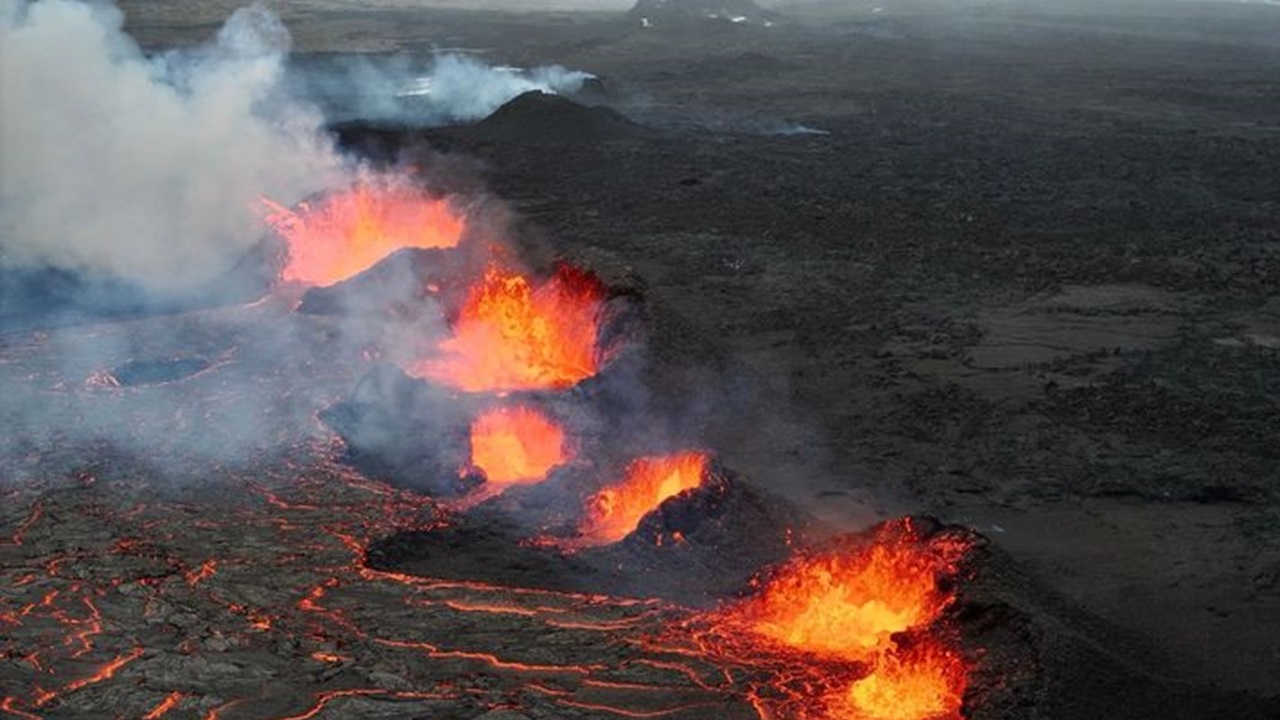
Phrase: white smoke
x=144 y=169
x=463 y=88
x=454 y=88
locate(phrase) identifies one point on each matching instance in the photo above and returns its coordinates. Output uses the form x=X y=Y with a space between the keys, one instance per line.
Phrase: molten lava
x=511 y=335
x=614 y=512
x=828 y=623
x=927 y=681
x=516 y=445
x=347 y=233
x=849 y=603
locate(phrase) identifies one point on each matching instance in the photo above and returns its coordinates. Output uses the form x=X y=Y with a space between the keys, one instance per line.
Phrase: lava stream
x=614 y=512
x=346 y=233
x=516 y=445
x=169 y=702
x=513 y=335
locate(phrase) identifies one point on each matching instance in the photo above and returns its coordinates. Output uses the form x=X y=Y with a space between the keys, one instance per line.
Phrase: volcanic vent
x=343 y=234
x=673 y=525
x=426 y=477
x=515 y=358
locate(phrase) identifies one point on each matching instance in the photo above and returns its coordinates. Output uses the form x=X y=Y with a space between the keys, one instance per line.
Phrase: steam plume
x=453 y=88
x=146 y=170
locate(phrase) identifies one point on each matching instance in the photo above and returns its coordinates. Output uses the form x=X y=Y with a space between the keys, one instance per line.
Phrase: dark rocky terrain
x=1011 y=265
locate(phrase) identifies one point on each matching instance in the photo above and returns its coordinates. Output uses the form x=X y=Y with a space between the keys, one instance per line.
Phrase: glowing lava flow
x=828 y=625
x=848 y=604
x=614 y=512
x=927 y=681
x=347 y=233
x=170 y=701
x=511 y=335
x=516 y=445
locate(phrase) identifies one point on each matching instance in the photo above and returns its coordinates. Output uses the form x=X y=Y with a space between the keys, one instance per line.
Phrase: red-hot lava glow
x=849 y=603
x=927 y=681
x=828 y=623
x=516 y=445
x=346 y=233
x=168 y=703
x=513 y=335
x=614 y=512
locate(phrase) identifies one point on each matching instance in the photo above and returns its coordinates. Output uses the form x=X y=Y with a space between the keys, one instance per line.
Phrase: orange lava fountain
x=924 y=682
x=614 y=512
x=347 y=233
x=831 y=622
x=511 y=335
x=516 y=445
x=848 y=604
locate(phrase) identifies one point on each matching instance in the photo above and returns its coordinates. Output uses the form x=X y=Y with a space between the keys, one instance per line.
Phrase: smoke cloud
x=146 y=170
x=142 y=179
x=451 y=88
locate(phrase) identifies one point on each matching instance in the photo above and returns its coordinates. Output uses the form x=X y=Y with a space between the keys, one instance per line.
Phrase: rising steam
x=146 y=170
x=451 y=88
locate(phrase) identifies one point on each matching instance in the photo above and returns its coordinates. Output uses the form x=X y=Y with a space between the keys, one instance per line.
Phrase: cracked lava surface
x=145 y=579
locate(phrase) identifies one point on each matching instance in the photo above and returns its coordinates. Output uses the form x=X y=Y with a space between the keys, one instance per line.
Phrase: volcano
x=964 y=411
x=545 y=118
x=692 y=547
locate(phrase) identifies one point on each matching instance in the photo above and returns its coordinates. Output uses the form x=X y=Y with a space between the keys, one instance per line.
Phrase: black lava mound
x=544 y=118
x=695 y=548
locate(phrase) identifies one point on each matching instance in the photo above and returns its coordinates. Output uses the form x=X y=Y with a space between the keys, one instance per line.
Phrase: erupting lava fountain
x=346 y=233
x=872 y=603
x=614 y=512
x=515 y=446
x=512 y=335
